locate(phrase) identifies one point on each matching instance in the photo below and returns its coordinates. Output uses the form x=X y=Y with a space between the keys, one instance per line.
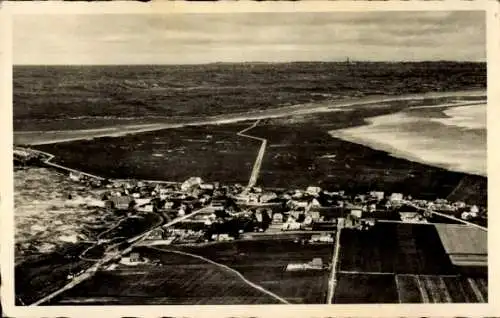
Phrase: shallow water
x=456 y=143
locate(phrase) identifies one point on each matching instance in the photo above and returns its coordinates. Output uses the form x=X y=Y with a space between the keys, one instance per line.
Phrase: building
x=277 y=218
x=315 y=264
x=396 y=197
x=314 y=191
x=379 y=195
x=121 y=202
x=190 y=183
x=321 y=238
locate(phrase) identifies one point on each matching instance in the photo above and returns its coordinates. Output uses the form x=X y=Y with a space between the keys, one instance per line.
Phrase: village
x=232 y=212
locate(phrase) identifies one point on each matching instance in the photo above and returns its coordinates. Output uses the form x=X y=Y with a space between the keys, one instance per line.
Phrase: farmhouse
x=315 y=264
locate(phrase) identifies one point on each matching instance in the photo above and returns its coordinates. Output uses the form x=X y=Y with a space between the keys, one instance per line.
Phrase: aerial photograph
x=250 y=158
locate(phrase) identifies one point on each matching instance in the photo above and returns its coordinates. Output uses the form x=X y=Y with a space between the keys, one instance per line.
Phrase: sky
x=248 y=37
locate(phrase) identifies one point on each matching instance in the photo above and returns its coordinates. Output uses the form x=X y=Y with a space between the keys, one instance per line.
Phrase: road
x=110 y=257
x=447 y=216
x=258 y=161
x=332 y=282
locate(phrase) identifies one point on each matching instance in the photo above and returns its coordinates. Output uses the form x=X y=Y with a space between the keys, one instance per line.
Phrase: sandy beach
x=457 y=141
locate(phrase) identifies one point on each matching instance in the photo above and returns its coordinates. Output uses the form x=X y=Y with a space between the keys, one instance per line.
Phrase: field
x=214 y=153
x=459 y=239
x=264 y=261
x=403 y=263
x=99 y=96
x=184 y=279
x=441 y=289
x=365 y=288
x=394 y=248
x=180 y=280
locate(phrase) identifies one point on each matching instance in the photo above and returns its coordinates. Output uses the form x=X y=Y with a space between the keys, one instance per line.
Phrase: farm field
x=442 y=289
x=394 y=248
x=179 y=280
x=263 y=262
x=460 y=239
x=362 y=288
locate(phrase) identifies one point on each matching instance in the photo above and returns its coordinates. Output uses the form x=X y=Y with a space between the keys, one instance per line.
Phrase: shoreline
x=43 y=137
x=350 y=135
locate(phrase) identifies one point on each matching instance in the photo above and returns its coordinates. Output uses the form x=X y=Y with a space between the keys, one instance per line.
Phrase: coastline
x=40 y=137
x=376 y=129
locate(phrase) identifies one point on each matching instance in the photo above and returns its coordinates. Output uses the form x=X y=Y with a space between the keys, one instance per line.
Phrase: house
x=121 y=202
x=135 y=257
x=396 y=197
x=314 y=191
x=190 y=183
x=277 y=218
x=321 y=238
x=316 y=263
x=314 y=203
x=223 y=237
x=156 y=234
x=207 y=186
x=291 y=224
x=379 y=195
x=357 y=213
x=267 y=196
x=315 y=215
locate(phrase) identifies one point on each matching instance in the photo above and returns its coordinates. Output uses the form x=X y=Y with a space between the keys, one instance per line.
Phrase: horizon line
x=262 y=62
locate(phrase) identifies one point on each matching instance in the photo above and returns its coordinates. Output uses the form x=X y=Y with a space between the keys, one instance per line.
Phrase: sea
x=454 y=140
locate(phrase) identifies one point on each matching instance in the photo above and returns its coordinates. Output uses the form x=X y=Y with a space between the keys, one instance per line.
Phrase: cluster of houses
x=236 y=209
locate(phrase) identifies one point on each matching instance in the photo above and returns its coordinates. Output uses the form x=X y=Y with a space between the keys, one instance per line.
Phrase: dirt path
x=260 y=155
x=258 y=287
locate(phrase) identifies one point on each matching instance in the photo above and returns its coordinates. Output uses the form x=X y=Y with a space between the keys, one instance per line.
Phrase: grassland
x=98 y=96
x=214 y=153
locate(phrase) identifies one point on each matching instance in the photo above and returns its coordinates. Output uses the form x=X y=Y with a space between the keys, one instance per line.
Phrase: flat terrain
x=179 y=280
x=183 y=279
x=394 y=248
x=365 y=288
x=214 y=153
x=403 y=263
x=78 y=97
x=264 y=262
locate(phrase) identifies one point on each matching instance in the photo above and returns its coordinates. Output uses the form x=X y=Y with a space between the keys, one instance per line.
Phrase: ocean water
x=457 y=142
